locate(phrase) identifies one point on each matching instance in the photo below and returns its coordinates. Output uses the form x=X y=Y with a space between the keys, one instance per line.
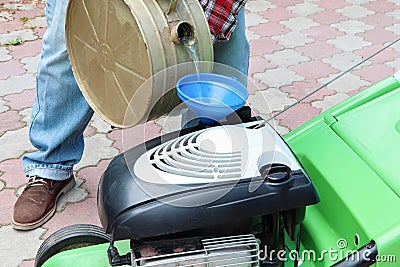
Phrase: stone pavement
x=296 y=46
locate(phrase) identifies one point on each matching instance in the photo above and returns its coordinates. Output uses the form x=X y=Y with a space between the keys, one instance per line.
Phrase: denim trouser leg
x=60 y=113
x=235 y=53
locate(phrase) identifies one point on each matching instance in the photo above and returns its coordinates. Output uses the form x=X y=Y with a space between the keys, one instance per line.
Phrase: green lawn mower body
x=351 y=153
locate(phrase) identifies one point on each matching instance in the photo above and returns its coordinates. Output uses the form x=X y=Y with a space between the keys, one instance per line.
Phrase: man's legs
x=59 y=116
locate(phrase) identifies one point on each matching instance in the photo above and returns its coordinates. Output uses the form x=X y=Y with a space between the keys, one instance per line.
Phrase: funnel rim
x=240 y=91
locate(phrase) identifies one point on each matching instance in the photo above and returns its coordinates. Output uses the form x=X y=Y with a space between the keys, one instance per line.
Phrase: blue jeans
x=60 y=113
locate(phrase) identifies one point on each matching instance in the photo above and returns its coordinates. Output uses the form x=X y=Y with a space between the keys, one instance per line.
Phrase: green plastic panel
x=373 y=131
x=359 y=197
x=95 y=256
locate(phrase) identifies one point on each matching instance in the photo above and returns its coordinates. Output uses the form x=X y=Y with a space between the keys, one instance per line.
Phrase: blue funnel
x=211 y=97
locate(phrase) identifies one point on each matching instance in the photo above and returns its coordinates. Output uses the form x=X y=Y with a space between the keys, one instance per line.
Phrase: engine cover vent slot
x=235 y=251
x=187 y=157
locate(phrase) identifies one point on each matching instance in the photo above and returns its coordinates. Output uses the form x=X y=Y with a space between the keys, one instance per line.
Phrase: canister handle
x=172 y=6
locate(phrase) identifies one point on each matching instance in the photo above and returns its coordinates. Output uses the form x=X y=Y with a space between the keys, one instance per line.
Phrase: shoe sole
x=44 y=219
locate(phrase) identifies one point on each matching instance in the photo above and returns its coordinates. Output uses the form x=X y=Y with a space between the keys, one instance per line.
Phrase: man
x=60 y=113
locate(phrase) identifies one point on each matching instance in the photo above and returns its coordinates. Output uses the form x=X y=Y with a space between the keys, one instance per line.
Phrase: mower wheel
x=70 y=237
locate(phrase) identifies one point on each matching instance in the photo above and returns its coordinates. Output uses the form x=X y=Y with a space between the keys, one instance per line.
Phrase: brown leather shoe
x=38 y=202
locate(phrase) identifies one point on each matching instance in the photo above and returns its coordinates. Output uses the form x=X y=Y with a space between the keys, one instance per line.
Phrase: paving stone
x=270 y=100
x=293 y=39
x=323 y=33
x=31 y=63
x=305 y=9
x=352 y=26
x=327 y=17
x=395 y=64
x=253 y=19
x=286 y=58
x=300 y=90
x=13 y=174
x=125 y=139
x=349 y=42
x=395 y=13
x=89 y=130
x=16 y=6
x=8 y=199
x=395 y=29
x=10 y=121
x=27 y=263
x=10 y=68
x=96 y=147
x=355 y=11
x=251 y=35
x=330 y=101
x=297 y=115
x=264 y=46
x=277 y=14
x=346 y=83
x=21 y=100
x=318 y=50
x=77 y=213
x=5 y=16
x=19 y=245
x=260 y=64
x=278 y=77
x=3 y=106
x=4 y=54
x=14 y=144
x=378 y=20
x=23 y=35
x=17 y=84
x=77 y=194
x=100 y=125
x=27 y=49
x=169 y=124
x=40 y=32
x=269 y=29
x=313 y=70
x=332 y=5
x=396 y=2
x=259 y=5
x=299 y=23
x=343 y=61
x=24 y=15
x=282 y=130
x=38 y=22
x=378 y=36
x=381 y=57
x=254 y=85
x=9 y=26
x=360 y=2
x=379 y=6
x=396 y=46
x=92 y=175
x=26 y=115
x=374 y=72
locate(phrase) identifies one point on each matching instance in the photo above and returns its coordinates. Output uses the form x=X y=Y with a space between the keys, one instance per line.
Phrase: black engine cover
x=128 y=211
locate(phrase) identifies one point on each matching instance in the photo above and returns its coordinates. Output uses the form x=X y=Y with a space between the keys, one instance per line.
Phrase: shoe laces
x=37 y=181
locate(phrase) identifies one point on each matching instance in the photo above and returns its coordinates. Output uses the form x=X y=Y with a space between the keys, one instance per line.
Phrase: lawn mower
x=230 y=191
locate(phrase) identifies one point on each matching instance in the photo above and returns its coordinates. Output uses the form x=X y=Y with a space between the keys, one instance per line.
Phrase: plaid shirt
x=221 y=16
